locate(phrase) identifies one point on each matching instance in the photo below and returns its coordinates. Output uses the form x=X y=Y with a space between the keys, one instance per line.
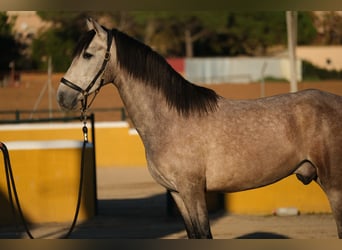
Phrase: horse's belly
x=240 y=182
x=243 y=175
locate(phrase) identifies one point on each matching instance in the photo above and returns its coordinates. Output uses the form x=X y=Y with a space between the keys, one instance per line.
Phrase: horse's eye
x=87 y=55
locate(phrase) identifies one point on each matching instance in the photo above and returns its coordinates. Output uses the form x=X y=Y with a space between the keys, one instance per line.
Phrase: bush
x=312 y=72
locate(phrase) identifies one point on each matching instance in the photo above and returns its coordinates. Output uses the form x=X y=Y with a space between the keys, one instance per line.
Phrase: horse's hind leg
x=193 y=209
x=335 y=199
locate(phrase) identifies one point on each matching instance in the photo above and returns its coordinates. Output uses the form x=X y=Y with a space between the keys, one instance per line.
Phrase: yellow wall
x=47 y=175
x=288 y=192
x=116 y=144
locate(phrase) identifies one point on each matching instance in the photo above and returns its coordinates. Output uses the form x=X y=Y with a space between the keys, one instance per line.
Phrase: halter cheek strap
x=86 y=92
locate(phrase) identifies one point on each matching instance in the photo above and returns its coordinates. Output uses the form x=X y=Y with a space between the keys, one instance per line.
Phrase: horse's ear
x=93 y=25
x=90 y=23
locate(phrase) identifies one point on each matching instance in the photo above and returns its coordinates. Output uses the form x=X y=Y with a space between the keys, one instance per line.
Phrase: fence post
x=17 y=115
x=123 y=114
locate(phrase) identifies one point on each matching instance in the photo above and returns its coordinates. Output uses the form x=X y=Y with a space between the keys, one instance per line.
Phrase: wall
x=288 y=192
x=47 y=176
x=213 y=70
x=238 y=70
x=46 y=167
x=328 y=57
x=116 y=143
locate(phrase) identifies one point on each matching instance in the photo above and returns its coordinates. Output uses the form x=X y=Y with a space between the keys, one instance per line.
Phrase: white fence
x=238 y=70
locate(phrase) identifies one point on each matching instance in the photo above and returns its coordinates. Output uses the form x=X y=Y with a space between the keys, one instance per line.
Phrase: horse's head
x=87 y=72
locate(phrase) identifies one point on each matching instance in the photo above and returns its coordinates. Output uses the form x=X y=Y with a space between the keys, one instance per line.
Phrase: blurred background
x=235 y=52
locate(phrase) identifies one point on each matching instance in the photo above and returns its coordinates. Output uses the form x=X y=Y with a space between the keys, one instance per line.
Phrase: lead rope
x=11 y=188
x=85 y=141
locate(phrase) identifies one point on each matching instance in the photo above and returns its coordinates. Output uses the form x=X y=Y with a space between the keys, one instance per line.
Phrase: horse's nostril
x=74 y=104
x=60 y=98
x=61 y=101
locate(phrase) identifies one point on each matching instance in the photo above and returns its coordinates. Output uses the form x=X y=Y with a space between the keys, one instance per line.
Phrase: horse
x=198 y=141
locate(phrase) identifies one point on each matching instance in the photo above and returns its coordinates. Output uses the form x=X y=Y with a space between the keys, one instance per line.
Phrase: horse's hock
x=47 y=177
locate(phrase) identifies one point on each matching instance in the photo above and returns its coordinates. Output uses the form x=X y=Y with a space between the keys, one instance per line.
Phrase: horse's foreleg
x=193 y=209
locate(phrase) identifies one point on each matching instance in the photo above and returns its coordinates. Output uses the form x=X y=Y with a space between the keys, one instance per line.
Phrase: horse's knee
x=195 y=215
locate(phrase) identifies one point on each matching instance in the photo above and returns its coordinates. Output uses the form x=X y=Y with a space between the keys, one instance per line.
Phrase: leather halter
x=86 y=92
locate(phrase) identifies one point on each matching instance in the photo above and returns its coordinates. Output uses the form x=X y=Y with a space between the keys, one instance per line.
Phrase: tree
x=9 y=49
x=331 y=24
x=251 y=33
x=53 y=43
x=58 y=41
x=174 y=33
x=201 y=25
x=167 y=30
x=306 y=29
x=211 y=33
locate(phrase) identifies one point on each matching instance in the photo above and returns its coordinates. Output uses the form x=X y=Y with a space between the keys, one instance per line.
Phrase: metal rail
x=19 y=116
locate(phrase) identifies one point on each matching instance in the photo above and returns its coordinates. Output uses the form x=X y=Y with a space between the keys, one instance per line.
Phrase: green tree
x=59 y=41
x=305 y=28
x=9 y=49
x=175 y=33
x=251 y=33
x=210 y=33
x=53 y=43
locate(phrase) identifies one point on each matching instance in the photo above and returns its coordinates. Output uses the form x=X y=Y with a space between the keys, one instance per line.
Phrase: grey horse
x=197 y=141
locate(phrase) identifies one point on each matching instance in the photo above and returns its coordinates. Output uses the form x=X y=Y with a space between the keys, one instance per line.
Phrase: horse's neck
x=145 y=105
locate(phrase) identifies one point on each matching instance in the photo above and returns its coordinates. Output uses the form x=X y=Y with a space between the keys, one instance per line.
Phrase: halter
x=86 y=92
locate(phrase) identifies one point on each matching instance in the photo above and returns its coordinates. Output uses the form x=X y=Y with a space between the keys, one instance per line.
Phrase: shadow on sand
x=10 y=222
x=145 y=218
x=138 y=218
x=262 y=235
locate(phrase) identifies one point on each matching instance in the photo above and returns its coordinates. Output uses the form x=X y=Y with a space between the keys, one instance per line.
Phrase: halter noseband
x=85 y=92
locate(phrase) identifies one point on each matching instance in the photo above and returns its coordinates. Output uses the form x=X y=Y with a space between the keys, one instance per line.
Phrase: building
x=326 y=57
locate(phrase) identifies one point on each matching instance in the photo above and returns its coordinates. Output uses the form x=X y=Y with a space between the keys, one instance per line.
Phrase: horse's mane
x=141 y=62
x=145 y=64
x=83 y=42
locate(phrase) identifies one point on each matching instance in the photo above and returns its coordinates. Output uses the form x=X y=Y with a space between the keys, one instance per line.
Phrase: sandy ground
x=132 y=205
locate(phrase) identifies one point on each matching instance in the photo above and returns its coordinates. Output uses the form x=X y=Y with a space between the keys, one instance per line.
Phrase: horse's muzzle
x=68 y=101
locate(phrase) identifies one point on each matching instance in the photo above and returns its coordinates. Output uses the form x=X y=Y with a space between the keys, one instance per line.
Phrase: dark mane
x=143 y=63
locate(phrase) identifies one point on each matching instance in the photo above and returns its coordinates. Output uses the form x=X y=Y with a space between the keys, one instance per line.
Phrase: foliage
x=9 y=49
x=58 y=42
x=306 y=29
x=175 y=33
x=331 y=32
x=250 y=33
x=217 y=33
x=53 y=43
x=312 y=72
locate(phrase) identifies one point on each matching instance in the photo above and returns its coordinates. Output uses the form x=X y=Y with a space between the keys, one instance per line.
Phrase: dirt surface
x=132 y=205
